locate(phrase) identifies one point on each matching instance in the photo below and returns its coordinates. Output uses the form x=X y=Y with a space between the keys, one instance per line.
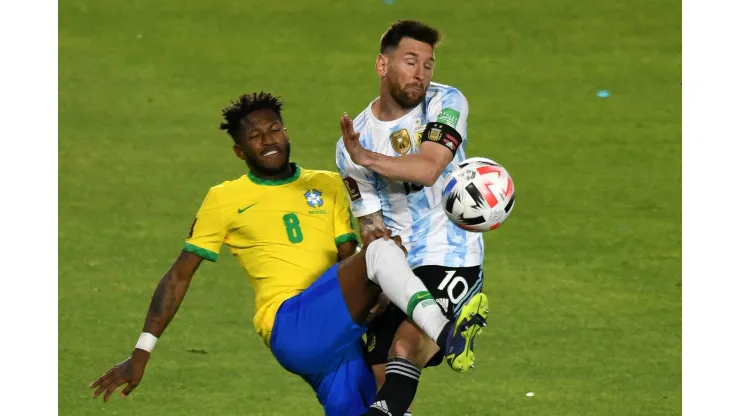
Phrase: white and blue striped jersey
x=411 y=211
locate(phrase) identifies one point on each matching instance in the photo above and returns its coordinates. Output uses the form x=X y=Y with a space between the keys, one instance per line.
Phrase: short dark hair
x=245 y=105
x=408 y=29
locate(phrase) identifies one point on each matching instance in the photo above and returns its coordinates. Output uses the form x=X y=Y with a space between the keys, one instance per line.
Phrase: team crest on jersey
x=313 y=198
x=401 y=141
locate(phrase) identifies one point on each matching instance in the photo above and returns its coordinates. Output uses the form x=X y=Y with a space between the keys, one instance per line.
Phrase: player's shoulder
x=322 y=178
x=361 y=119
x=438 y=92
x=227 y=193
x=230 y=187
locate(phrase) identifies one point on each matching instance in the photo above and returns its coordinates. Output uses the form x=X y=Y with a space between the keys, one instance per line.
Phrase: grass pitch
x=584 y=278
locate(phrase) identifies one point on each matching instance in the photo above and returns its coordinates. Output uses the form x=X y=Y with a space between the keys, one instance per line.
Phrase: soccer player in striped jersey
x=393 y=159
x=289 y=228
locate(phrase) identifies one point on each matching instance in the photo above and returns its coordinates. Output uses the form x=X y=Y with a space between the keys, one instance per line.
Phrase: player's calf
x=386 y=266
x=410 y=351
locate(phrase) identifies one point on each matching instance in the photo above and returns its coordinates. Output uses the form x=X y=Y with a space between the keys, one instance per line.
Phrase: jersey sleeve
x=448 y=120
x=360 y=184
x=208 y=231
x=343 y=231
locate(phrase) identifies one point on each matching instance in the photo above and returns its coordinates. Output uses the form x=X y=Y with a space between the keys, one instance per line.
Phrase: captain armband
x=443 y=135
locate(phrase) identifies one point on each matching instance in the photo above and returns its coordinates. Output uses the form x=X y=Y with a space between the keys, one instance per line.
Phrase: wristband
x=146 y=342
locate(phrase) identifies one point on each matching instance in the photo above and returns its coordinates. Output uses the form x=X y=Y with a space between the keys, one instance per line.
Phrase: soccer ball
x=478 y=195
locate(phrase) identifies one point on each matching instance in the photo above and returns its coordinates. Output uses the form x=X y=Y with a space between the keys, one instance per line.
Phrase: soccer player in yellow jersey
x=289 y=228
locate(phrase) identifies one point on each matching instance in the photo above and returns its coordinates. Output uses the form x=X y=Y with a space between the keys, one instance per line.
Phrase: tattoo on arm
x=167 y=299
x=371 y=221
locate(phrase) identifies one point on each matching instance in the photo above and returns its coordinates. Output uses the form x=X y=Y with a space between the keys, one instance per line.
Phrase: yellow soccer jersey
x=284 y=233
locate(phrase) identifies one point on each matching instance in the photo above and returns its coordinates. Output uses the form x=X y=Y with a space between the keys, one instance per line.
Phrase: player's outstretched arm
x=166 y=300
x=422 y=168
x=170 y=292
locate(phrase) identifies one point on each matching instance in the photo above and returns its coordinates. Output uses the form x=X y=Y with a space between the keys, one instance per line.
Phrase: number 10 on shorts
x=451 y=282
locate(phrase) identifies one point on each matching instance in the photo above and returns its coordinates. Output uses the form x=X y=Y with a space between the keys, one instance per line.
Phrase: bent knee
x=406 y=346
x=414 y=346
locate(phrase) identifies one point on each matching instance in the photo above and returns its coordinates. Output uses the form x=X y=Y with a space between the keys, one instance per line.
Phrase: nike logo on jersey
x=240 y=210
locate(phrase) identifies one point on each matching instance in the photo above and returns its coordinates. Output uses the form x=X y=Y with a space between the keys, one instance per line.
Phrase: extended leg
x=384 y=263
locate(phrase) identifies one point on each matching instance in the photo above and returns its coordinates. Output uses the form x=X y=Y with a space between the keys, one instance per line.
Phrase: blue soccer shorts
x=315 y=337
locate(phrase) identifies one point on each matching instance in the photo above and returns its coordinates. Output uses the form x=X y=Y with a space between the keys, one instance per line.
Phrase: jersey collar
x=276 y=182
x=412 y=113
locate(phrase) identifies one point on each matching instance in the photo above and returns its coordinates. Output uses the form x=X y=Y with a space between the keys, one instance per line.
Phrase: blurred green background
x=584 y=278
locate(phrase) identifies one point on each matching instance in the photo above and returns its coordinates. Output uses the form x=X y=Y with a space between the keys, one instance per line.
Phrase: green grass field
x=584 y=278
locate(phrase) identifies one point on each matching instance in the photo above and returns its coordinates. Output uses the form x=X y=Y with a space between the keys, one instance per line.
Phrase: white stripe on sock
x=402 y=372
x=404 y=364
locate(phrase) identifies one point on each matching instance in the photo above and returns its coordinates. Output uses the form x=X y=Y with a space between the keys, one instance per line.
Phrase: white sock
x=386 y=266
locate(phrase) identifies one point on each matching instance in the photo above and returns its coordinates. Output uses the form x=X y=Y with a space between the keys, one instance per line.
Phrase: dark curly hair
x=245 y=105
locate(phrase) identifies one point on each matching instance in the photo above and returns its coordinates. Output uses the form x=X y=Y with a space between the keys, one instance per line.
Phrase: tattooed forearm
x=371 y=222
x=166 y=300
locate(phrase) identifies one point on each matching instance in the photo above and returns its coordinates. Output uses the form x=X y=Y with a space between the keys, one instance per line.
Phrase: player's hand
x=399 y=243
x=357 y=153
x=368 y=236
x=129 y=372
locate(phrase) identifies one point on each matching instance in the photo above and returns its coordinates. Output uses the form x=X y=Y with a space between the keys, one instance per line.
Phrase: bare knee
x=407 y=345
x=411 y=343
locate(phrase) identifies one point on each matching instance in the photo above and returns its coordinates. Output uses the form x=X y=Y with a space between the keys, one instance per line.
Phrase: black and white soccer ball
x=478 y=195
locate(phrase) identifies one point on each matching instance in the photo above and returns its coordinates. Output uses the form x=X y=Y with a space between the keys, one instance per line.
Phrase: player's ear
x=239 y=152
x=381 y=65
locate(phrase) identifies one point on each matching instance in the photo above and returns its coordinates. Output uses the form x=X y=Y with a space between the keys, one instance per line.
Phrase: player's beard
x=404 y=98
x=263 y=170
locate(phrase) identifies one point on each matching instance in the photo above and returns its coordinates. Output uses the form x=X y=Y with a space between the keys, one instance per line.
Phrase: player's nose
x=269 y=140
